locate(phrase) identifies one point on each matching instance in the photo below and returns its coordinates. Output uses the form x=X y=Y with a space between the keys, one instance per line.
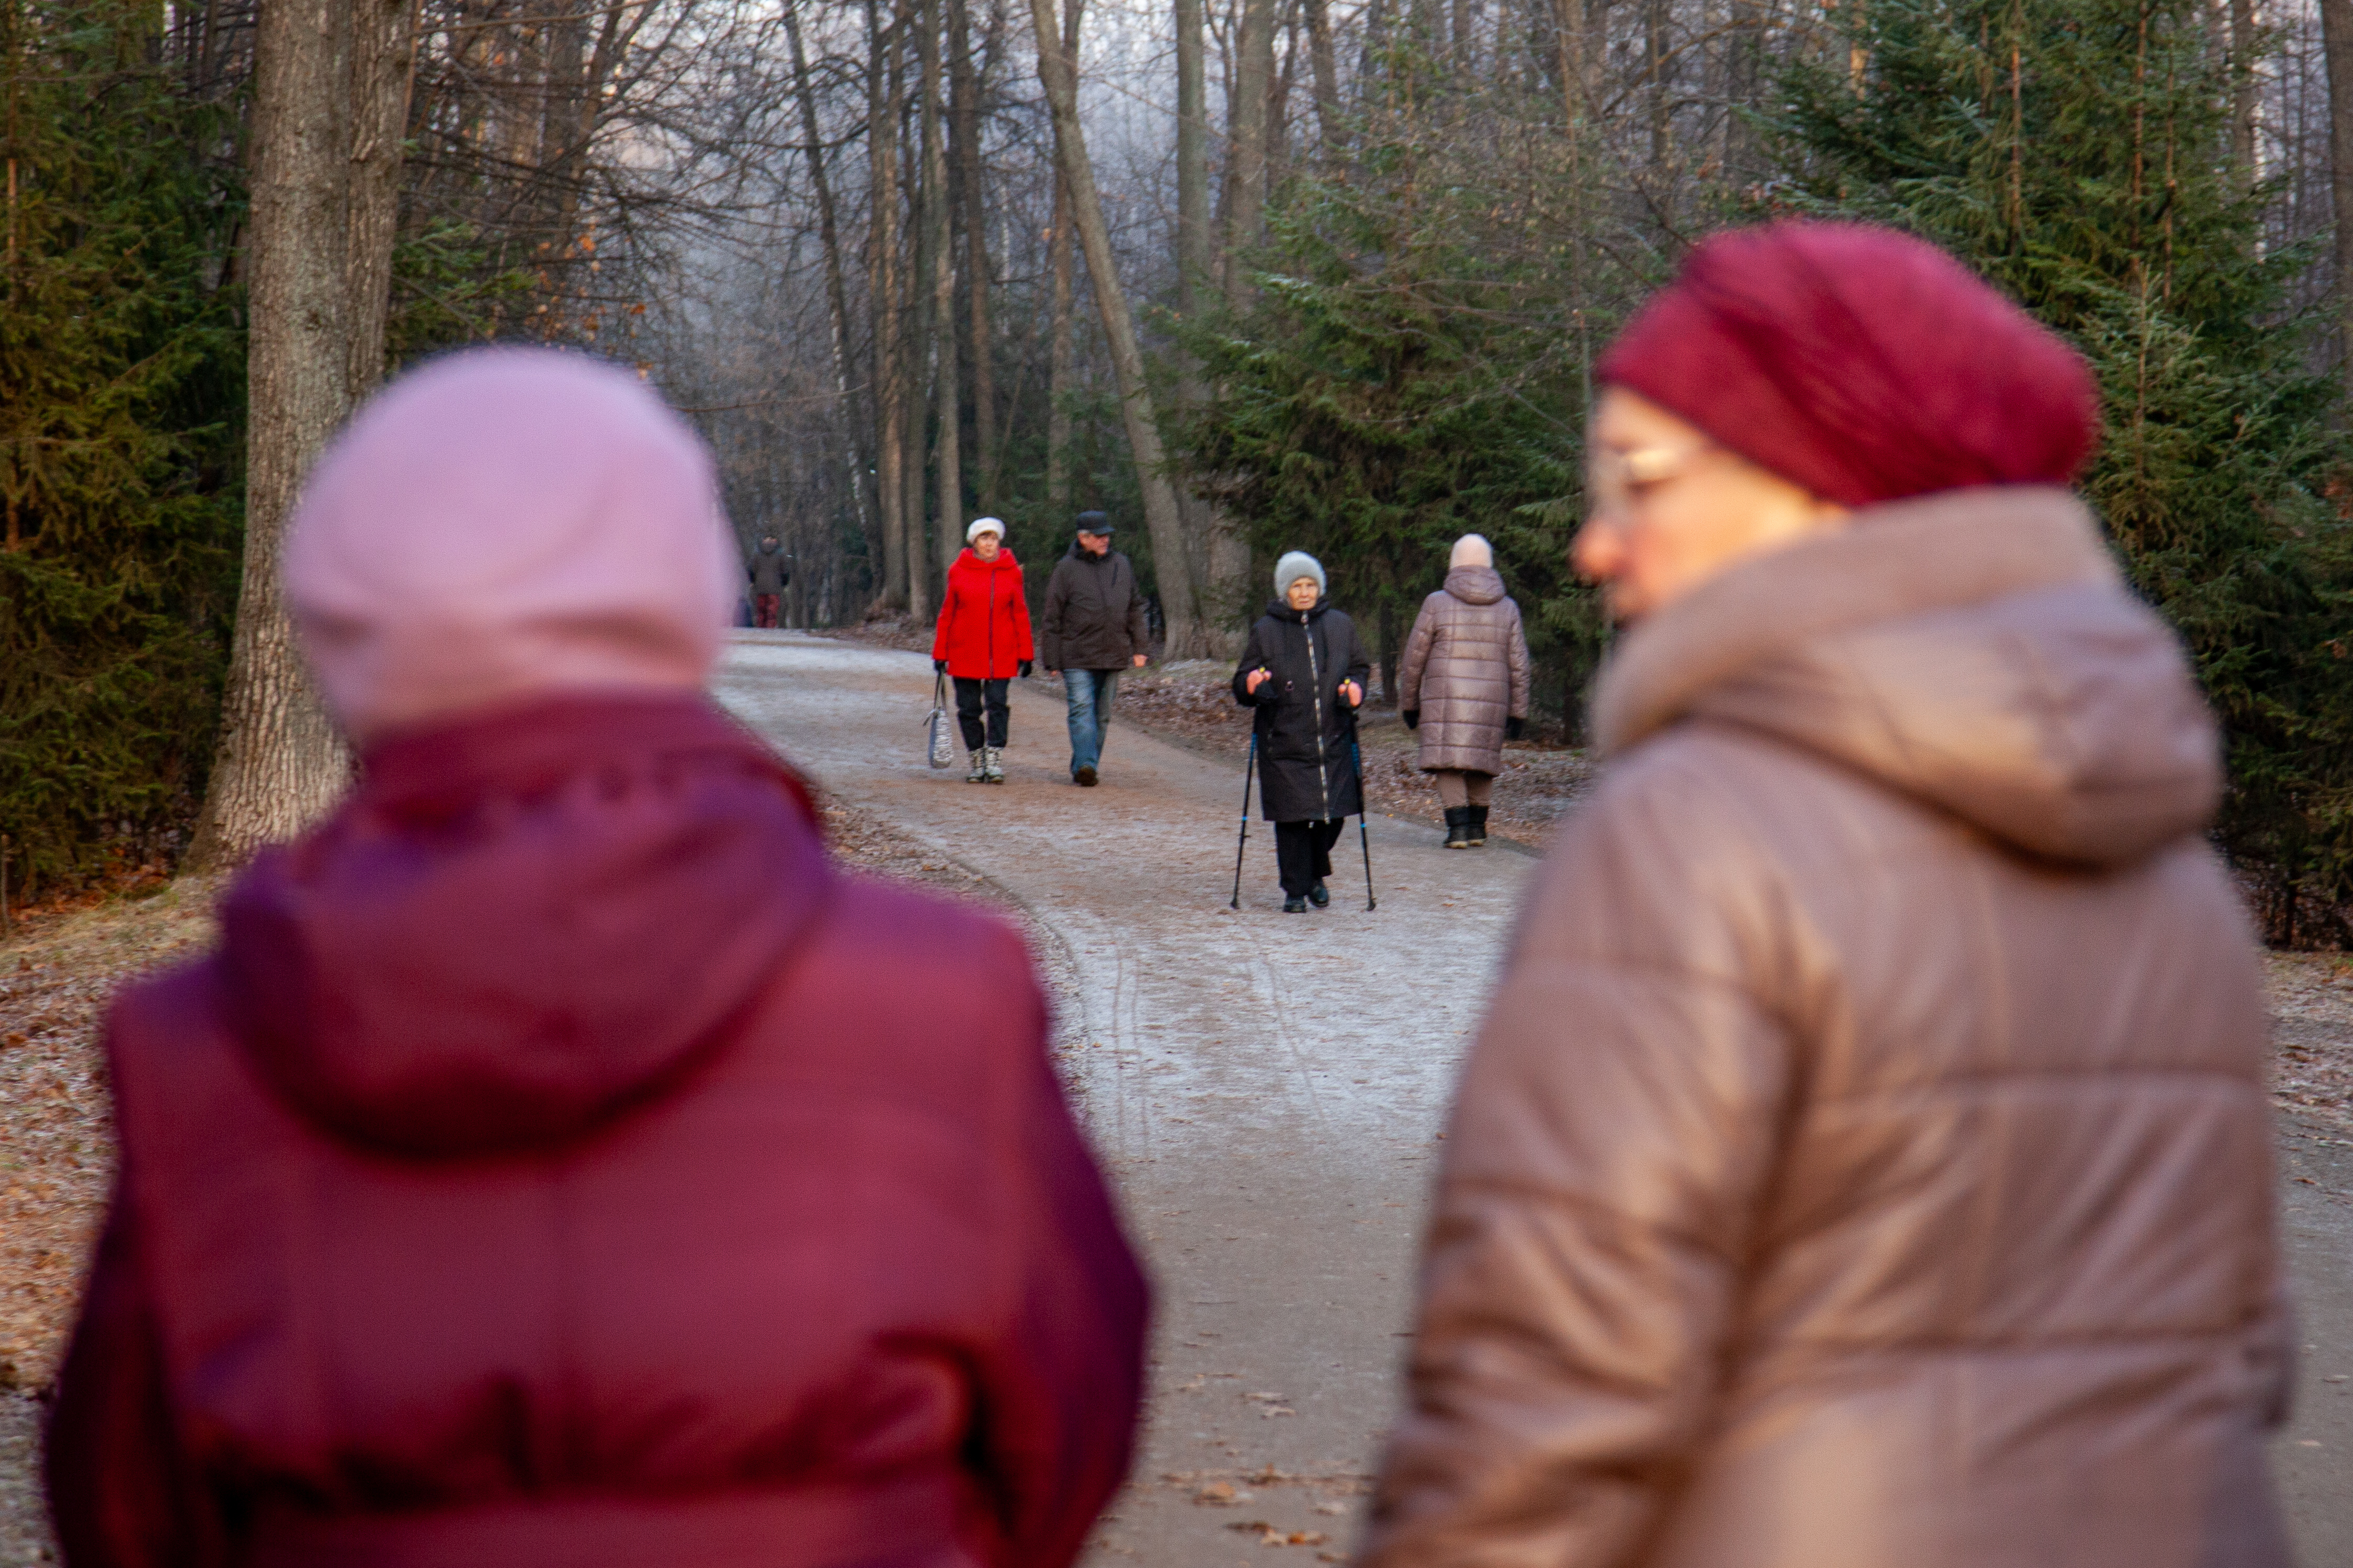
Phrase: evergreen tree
x=120 y=379
x=2075 y=153
x=1411 y=368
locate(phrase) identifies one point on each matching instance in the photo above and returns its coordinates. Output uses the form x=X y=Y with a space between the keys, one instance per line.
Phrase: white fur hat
x=981 y=525
x=1296 y=564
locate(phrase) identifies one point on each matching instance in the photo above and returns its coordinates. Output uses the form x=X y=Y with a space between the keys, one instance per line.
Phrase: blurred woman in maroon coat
x=560 y=1161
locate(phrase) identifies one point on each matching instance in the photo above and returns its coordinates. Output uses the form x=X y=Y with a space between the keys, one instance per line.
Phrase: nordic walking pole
x=1364 y=834
x=1236 y=901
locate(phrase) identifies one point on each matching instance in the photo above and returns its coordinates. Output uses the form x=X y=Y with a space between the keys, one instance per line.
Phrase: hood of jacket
x=521 y=924
x=1077 y=553
x=1475 y=584
x=1975 y=649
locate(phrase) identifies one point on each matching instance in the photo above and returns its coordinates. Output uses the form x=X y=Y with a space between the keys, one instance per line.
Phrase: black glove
x=939 y=667
x=1025 y=666
x=1514 y=728
x=1412 y=716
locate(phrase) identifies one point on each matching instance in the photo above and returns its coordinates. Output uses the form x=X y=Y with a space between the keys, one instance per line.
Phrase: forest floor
x=1233 y=1104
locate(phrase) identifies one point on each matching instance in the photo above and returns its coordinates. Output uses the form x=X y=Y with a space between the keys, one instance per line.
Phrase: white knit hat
x=1296 y=564
x=981 y=525
x=1471 y=550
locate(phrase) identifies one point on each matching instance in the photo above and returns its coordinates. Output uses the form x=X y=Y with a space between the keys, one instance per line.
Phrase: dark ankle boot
x=1457 y=826
x=1478 y=825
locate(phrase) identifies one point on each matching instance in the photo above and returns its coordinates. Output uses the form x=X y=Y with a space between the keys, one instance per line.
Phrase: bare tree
x=1161 y=519
x=331 y=94
x=2337 y=35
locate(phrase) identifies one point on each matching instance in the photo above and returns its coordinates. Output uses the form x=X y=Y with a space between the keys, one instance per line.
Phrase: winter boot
x=1457 y=826
x=994 y=762
x=1320 y=896
x=1294 y=905
x=1478 y=826
x=979 y=773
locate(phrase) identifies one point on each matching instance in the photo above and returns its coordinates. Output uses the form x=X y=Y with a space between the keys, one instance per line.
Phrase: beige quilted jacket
x=1466 y=668
x=1866 y=1162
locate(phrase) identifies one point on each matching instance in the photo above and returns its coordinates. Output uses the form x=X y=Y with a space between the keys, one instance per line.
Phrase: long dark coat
x=1307 y=762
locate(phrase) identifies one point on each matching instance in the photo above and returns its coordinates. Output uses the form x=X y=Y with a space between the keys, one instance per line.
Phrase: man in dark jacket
x=1093 y=629
x=769 y=575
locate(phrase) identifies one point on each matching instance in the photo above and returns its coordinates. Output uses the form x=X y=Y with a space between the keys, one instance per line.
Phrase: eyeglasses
x=1615 y=478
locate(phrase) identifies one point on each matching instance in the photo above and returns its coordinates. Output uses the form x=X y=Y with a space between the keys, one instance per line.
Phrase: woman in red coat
x=562 y=1161
x=983 y=641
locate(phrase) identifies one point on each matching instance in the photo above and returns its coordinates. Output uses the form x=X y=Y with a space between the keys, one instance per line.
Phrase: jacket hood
x=970 y=561
x=1475 y=584
x=521 y=924
x=1105 y=559
x=1975 y=649
x=1283 y=612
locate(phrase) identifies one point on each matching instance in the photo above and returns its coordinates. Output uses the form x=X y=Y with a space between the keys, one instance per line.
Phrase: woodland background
x=1331 y=274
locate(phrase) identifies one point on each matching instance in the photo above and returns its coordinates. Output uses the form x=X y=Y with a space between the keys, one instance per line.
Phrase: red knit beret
x=1862 y=364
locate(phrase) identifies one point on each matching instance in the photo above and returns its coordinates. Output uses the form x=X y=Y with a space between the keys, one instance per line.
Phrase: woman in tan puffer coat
x=1866 y=1161
x=1463 y=684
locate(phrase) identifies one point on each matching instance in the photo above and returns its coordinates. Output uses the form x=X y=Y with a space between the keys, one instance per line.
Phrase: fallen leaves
x=1275 y=1535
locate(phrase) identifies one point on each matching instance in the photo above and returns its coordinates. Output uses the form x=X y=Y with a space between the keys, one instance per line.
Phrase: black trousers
x=970 y=695
x=1303 y=853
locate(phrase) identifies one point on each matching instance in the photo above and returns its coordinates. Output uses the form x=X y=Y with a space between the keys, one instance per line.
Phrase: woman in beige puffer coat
x=1463 y=684
x=1866 y=1159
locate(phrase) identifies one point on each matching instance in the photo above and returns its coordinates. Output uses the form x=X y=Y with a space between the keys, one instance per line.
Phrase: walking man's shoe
x=992 y=764
x=1478 y=826
x=1319 y=895
x=1294 y=906
x=979 y=773
x=1084 y=778
x=1458 y=827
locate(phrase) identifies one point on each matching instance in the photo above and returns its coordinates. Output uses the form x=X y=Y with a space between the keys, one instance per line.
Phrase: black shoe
x=1294 y=906
x=1319 y=895
x=1478 y=826
x=1458 y=827
x=1084 y=778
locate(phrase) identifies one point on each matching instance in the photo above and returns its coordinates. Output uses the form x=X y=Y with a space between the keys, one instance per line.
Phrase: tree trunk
x=1246 y=134
x=837 y=293
x=1328 y=75
x=1195 y=248
x=940 y=314
x=2336 y=42
x=882 y=292
x=1060 y=245
x=1058 y=353
x=384 y=68
x=2244 y=47
x=967 y=85
x=1161 y=519
x=322 y=195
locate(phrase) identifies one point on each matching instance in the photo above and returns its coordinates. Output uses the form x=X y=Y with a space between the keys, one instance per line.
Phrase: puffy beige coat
x=1866 y=1162
x=1466 y=668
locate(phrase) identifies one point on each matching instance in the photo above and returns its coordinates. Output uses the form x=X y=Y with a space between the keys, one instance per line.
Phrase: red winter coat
x=983 y=631
x=562 y=1162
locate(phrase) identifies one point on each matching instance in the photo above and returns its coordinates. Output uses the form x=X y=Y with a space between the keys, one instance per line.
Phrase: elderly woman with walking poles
x=1464 y=685
x=1303 y=672
x=1866 y=1158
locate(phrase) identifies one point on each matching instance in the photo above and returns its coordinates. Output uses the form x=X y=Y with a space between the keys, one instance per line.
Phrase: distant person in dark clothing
x=562 y=1160
x=1304 y=672
x=771 y=570
x=1093 y=628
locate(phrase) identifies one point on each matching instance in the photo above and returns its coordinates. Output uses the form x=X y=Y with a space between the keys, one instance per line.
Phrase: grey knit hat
x=1296 y=564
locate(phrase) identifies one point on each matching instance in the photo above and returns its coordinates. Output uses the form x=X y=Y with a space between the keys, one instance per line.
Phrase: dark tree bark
x=940 y=317
x=966 y=87
x=882 y=289
x=2336 y=42
x=1061 y=260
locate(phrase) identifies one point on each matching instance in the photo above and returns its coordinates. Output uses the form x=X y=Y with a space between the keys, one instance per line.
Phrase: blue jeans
x=1089 y=692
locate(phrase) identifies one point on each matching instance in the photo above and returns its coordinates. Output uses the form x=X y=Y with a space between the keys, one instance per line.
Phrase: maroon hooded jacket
x=562 y=1163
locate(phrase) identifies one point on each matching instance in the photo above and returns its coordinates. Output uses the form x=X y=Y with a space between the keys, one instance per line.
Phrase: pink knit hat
x=501 y=523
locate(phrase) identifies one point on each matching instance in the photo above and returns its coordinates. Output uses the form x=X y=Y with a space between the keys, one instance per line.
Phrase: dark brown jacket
x=1466 y=671
x=1867 y=1160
